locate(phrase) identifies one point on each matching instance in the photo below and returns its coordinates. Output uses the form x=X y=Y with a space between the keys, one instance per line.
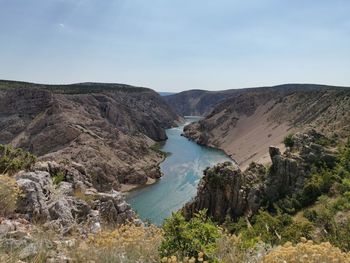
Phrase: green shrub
x=9 y=193
x=13 y=160
x=344 y=159
x=274 y=229
x=289 y=205
x=343 y=202
x=320 y=183
x=288 y=140
x=58 y=177
x=188 y=238
x=310 y=215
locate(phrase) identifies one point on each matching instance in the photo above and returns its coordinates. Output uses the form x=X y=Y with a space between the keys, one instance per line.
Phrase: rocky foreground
x=108 y=128
x=59 y=199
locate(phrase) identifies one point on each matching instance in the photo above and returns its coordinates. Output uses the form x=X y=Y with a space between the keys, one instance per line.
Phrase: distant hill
x=202 y=102
x=77 y=88
x=165 y=93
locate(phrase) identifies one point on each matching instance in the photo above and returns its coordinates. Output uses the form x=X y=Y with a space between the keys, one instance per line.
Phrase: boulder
x=61 y=210
x=36 y=189
x=113 y=208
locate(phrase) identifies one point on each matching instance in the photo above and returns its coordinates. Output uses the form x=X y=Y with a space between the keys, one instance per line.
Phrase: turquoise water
x=181 y=170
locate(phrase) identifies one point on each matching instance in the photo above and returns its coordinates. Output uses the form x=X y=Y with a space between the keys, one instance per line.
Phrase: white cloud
x=61 y=25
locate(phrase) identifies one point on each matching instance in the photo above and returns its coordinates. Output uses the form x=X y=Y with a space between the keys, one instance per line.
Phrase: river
x=182 y=170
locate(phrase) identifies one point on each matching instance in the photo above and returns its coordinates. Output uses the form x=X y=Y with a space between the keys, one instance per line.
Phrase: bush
x=306 y=251
x=232 y=248
x=320 y=183
x=13 y=160
x=127 y=243
x=343 y=202
x=274 y=229
x=331 y=221
x=289 y=205
x=310 y=215
x=58 y=177
x=288 y=140
x=9 y=194
x=184 y=238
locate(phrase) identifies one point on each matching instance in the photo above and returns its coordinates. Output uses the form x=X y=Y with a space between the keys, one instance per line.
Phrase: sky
x=175 y=45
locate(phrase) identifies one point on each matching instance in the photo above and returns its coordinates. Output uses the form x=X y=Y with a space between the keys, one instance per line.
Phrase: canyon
x=95 y=140
x=108 y=128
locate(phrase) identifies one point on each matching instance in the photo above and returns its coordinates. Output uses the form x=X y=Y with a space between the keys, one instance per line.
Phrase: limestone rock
x=36 y=188
x=71 y=201
x=224 y=191
x=114 y=209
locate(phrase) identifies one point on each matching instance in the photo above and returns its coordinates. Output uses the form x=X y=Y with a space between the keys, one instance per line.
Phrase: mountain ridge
x=109 y=129
x=202 y=102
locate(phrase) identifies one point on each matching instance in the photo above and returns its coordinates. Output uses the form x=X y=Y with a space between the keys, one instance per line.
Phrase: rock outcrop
x=226 y=191
x=289 y=171
x=66 y=203
x=108 y=128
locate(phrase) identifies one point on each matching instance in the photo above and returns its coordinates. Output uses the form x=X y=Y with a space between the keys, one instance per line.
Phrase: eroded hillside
x=109 y=128
x=202 y=102
x=246 y=124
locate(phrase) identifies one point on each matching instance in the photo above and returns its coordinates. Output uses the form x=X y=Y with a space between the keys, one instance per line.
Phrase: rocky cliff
x=108 y=128
x=245 y=124
x=227 y=191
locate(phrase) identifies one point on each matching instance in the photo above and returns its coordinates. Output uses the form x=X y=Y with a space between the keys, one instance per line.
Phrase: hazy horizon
x=173 y=92
x=173 y=46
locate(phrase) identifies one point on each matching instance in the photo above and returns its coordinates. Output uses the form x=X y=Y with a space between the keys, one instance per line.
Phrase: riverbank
x=124 y=188
x=182 y=170
x=245 y=140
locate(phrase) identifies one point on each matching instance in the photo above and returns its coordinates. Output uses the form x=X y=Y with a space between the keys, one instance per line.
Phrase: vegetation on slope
x=275 y=234
x=13 y=160
x=325 y=221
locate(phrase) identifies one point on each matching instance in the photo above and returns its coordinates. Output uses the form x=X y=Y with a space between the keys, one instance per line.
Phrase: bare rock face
x=226 y=191
x=35 y=188
x=114 y=209
x=107 y=128
x=285 y=175
x=70 y=201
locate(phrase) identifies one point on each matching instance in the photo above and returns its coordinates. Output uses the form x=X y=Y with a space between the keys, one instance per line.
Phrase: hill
x=251 y=120
x=109 y=128
x=202 y=102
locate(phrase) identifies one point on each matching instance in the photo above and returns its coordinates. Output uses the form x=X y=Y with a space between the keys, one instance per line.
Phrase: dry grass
x=307 y=251
x=174 y=259
x=9 y=193
x=139 y=244
x=127 y=243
